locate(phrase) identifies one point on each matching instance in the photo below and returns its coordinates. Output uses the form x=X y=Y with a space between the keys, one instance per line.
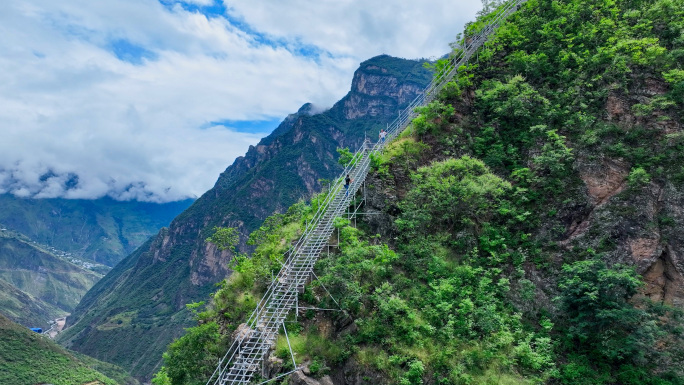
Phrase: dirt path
x=56 y=327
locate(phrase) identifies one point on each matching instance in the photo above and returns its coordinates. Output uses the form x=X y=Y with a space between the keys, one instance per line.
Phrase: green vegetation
x=38 y=285
x=192 y=358
x=27 y=358
x=25 y=309
x=404 y=70
x=485 y=282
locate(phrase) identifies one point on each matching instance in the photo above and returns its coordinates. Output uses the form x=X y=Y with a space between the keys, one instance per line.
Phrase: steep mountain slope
x=26 y=309
x=132 y=314
x=101 y=230
x=39 y=285
x=526 y=229
x=27 y=358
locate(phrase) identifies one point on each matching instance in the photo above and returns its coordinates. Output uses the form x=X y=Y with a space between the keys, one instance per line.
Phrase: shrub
x=450 y=194
x=638 y=177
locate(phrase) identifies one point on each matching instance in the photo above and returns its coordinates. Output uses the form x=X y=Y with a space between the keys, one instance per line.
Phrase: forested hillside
x=525 y=229
x=38 y=286
x=52 y=251
x=27 y=358
x=134 y=312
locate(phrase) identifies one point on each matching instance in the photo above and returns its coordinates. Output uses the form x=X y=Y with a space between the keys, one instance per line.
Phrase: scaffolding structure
x=256 y=338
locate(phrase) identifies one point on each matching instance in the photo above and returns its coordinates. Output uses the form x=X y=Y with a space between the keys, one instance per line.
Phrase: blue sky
x=164 y=94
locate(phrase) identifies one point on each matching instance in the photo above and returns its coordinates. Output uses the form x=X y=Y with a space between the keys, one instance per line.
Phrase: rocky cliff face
x=640 y=223
x=130 y=316
x=630 y=222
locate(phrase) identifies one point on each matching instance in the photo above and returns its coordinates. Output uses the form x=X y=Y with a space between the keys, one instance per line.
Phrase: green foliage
x=554 y=163
x=638 y=177
x=432 y=117
x=379 y=165
x=515 y=114
x=161 y=377
x=414 y=375
x=594 y=298
x=405 y=152
x=27 y=358
x=514 y=103
x=675 y=78
x=453 y=299
x=225 y=238
x=157 y=275
x=346 y=156
x=451 y=194
x=191 y=359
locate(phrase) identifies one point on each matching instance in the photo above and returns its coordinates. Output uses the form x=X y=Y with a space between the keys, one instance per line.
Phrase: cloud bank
x=122 y=98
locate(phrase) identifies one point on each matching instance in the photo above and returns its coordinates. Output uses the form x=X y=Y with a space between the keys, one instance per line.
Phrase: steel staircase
x=253 y=342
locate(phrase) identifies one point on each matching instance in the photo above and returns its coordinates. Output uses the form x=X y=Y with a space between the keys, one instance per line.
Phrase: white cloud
x=76 y=121
x=362 y=28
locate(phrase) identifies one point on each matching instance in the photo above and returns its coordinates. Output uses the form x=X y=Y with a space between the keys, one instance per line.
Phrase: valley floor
x=56 y=327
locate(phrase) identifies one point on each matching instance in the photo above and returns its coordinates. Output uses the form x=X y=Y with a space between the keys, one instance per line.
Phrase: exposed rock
x=273 y=366
x=647 y=249
x=353 y=373
x=243 y=331
x=299 y=378
x=664 y=282
x=617 y=108
x=605 y=179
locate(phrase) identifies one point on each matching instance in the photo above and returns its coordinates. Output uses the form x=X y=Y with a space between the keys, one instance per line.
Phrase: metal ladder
x=251 y=347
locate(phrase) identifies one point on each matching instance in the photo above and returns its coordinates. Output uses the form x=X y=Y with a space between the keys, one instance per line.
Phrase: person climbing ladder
x=347 y=182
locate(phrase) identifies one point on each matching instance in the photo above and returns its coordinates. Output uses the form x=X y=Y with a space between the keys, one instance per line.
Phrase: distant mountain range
x=101 y=230
x=39 y=285
x=130 y=316
x=52 y=251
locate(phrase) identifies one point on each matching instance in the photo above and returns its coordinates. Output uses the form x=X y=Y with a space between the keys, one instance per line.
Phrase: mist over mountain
x=98 y=103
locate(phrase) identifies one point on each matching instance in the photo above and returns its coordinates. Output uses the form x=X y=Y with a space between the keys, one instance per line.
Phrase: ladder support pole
x=294 y=364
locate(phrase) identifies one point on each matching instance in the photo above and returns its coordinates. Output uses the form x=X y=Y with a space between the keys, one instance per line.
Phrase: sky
x=152 y=99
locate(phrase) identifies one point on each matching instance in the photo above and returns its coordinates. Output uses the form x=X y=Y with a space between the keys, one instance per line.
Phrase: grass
x=118 y=321
x=27 y=358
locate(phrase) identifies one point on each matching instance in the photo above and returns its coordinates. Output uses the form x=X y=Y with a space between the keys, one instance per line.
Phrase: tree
x=488 y=6
x=599 y=318
x=225 y=238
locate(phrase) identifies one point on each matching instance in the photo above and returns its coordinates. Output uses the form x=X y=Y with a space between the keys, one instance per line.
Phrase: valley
x=44 y=278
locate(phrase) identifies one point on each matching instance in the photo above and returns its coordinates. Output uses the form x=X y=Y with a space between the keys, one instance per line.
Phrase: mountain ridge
x=27 y=358
x=38 y=285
